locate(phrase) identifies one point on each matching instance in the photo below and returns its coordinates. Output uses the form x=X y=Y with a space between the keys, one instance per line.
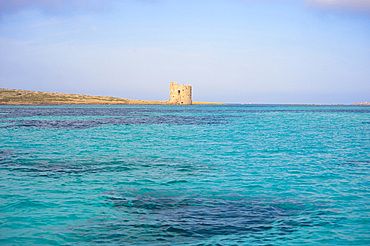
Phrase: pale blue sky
x=258 y=51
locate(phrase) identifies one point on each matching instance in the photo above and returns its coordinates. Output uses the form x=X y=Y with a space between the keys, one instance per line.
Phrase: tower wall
x=180 y=94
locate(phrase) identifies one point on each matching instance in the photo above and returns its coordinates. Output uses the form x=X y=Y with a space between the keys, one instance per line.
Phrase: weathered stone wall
x=180 y=94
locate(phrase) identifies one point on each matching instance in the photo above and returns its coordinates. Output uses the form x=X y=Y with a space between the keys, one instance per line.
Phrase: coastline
x=362 y=104
x=26 y=97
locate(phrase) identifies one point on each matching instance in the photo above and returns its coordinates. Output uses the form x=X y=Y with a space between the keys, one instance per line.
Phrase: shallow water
x=185 y=175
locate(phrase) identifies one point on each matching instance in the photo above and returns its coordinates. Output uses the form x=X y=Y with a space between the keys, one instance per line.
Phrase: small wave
x=25 y=203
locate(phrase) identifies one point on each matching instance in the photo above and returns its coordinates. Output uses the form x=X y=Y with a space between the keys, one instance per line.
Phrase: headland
x=25 y=97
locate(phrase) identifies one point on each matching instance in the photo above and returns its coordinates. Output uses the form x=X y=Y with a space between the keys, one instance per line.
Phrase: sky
x=231 y=51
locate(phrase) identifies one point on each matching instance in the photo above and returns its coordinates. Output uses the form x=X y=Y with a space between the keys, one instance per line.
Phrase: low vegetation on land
x=23 y=97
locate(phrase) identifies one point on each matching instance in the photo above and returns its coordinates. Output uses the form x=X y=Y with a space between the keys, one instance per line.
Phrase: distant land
x=362 y=103
x=24 y=97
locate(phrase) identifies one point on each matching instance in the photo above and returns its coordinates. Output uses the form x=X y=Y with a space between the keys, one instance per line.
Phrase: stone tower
x=180 y=94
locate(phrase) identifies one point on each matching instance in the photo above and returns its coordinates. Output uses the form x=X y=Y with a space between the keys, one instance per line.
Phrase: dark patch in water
x=113 y=115
x=357 y=162
x=48 y=168
x=96 y=111
x=54 y=168
x=145 y=110
x=6 y=155
x=69 y=111
x=133 y=115
x=90 y=123
x=178 y=216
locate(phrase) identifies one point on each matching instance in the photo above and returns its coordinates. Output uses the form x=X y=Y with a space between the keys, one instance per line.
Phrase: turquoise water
x=185 y=175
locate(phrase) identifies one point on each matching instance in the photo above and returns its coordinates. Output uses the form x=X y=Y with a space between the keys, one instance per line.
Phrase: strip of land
x=24 y=97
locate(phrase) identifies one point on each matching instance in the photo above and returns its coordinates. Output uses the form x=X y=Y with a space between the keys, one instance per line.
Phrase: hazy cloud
x=357 y=5
x=70 y=6
x=344 y=5
x=50 y=6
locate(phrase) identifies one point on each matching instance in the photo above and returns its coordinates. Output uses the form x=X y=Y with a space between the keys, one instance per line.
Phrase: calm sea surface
x=185 y=175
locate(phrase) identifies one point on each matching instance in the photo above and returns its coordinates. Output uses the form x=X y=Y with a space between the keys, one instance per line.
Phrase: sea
x=184 y=175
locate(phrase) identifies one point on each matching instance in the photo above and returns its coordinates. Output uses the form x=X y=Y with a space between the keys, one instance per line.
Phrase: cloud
x=347 y=5
x=343 y=5
x=53 y=7
x=57 y=7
